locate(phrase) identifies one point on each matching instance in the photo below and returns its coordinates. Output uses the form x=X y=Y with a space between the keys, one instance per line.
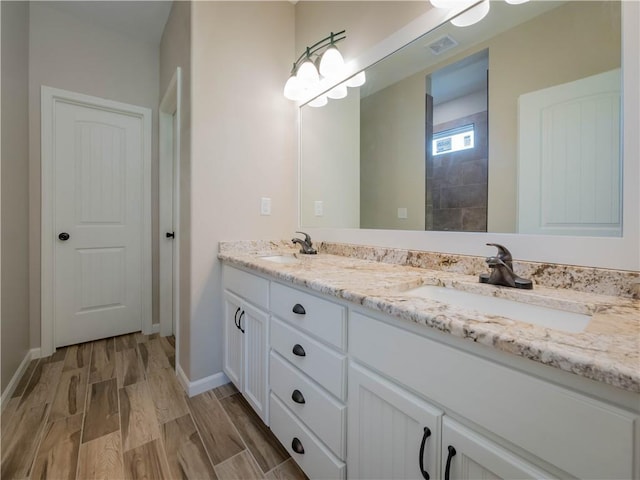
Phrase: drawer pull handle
x=299 y=309
x=235 y=318
x=447 y=470
x=240 y=321
x=427 y=434
x=297 y=447
x=298 y=350
x=297 y=396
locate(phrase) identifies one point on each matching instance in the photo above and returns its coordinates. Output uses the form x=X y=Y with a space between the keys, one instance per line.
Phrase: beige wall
x=243 y=132
x=330 y=171
x=72 y=54
x=175 y=51
x=14 y=329
x=392 y=152
x=366 y=22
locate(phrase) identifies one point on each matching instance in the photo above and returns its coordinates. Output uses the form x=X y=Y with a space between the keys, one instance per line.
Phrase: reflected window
x=453 y=140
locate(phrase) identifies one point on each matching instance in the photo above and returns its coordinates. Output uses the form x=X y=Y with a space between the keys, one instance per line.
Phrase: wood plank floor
x=113 y=409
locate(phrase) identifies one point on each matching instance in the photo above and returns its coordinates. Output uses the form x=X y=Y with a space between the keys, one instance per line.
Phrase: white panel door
x=569 y=162
x=254 y=325
x=233 y=340
x=392 y=433
x=467 y=455
x=98 y=201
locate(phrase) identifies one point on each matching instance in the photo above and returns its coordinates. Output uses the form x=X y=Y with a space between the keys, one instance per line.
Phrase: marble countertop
x=608 y=350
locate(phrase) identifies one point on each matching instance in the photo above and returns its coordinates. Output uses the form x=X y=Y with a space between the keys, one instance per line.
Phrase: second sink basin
x=283 y=259
x=523 y=312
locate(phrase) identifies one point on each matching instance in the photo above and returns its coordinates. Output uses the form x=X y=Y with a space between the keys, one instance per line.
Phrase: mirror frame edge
x=621 y=253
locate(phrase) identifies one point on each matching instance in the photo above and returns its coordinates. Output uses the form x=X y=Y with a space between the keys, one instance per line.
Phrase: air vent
x=442 y=44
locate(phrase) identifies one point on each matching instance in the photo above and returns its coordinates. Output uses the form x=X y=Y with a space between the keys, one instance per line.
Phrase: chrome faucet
x=306 y=246
x=501 y=266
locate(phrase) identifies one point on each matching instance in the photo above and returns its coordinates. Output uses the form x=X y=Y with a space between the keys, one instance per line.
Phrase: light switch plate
x=318 y=208
x=265 y=206
x=402 y=212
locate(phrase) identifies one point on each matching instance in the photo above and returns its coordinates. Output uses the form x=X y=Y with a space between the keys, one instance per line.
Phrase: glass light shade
x=473 y=15
x=321 y=101
x=447 y=3
x=516 y=2
x=332 y=63
x=357 y=80
x=293 y=89
x=308 y=75
x=337 y=92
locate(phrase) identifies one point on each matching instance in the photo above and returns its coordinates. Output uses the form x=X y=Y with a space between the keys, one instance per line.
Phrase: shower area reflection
x=456 y=150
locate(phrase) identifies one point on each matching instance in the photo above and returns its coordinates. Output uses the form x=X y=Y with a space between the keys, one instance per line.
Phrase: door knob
x=298 y=350
x=64 y=236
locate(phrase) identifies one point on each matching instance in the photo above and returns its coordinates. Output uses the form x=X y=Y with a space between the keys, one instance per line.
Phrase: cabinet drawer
x=316 y=461
x=582 y=436
x=322 y=364
x=250 y=287
x=325 y=416
x=322 y=318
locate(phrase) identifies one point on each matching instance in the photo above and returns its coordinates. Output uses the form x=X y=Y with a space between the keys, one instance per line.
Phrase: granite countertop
x=608 y=350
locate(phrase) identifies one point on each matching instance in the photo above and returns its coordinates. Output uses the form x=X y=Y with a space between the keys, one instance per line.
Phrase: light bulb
x=293 y=89
x=473 y=15
x=308 y=75
x=332 y=63
x=357 y=80
x=337 y=92
x=516 y=2
x=320 y=101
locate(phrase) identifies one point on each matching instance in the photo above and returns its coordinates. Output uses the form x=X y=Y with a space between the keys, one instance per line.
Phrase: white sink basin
x=523 y=312
x=283 y=259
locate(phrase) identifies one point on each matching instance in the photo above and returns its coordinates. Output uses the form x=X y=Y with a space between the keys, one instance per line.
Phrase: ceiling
x=142 y=20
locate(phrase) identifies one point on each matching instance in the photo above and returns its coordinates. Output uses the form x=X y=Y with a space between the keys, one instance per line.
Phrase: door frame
x=50 y=97
x=169 y=208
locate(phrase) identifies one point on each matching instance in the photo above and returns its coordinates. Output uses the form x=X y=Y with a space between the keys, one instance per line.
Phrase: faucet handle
x=503 y=254
x=307 y=238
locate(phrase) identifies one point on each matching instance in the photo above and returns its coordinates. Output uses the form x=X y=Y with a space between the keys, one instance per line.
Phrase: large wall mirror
x=512 y=125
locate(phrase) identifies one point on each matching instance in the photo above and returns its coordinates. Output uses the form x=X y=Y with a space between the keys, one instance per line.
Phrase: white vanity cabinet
x=556 y=429
x=246 y=335
x=467 y=455
x=392 y=432
x=308 y=380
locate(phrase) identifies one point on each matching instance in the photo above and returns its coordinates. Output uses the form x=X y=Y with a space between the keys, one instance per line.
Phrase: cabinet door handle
x=427 y=434
x=297 y=396
x=296 y=445
x=235 y=318
x=240 y=321
x=298 y=350
x=299 y=309
x=447 y=470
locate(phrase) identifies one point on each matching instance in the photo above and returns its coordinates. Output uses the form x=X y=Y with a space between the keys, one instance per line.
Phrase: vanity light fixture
x=321 y=62
x=474 y=14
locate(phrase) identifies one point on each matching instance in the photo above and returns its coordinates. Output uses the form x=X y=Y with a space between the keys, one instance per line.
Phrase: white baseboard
x=155 y=328
x=202 y=385
x=6 y=395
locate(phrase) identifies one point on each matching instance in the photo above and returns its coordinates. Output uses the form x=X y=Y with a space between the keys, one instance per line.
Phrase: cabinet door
x=255 y=325
x=233 y=340
x=392 y=433
x=468 y=455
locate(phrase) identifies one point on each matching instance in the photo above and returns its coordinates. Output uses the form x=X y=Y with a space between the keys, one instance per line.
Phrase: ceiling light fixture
x=320 y=64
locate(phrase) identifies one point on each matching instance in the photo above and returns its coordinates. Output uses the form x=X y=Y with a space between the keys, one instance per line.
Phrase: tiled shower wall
x=456 y=198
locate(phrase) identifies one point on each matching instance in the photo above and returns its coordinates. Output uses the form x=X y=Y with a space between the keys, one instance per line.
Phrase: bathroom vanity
x=360 y=374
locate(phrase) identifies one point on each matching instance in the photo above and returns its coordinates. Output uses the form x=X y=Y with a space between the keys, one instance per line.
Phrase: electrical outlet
x=265 y=206
x=402 y=212
x=318 y=208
